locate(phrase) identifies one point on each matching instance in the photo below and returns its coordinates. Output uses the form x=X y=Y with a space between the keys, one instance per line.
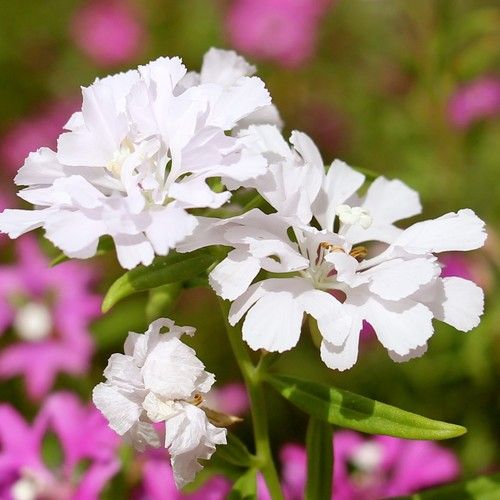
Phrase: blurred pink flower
x=84 y=437
x=373 y=468
x=456 y=264
x=49 y=310
x=281 y=30
x=108 y=31
x=475 y=101
x=41 y=129
x=158 y=482
x=231 y=399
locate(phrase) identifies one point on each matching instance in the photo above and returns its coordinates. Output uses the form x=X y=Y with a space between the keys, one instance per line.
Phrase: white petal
x=16 y=222
x=391 y=200
x=266 y=139
x=195 y=193
x=190 y=437
x=41 y=167
x=463 y=230
x=265 y=115
x=458 y=302
x=275 y=321
x=121 y=412
x=309 y=152
x=161 y=77
x=73 y=232
x=132 y=250
x=234 y=274
x=237 y=101
x=340 y=183
x=341 y=357
x=414 y=353
x=243 y=303
x=224 y=67
x=169 y=226
x=142 y=435
x=400 y=326
x=124 y=374
x=396 y=279
x=333 y=322
x=207 y=232
x=172 y=369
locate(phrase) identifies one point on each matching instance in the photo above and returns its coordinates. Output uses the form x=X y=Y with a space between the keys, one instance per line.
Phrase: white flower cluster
x=159 y=379
x=139 y=155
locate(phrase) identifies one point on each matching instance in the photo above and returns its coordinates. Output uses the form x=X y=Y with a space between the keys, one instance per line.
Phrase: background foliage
x=376 y=93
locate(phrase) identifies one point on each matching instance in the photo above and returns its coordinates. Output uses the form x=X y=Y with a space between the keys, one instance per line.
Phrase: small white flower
x=160 y=379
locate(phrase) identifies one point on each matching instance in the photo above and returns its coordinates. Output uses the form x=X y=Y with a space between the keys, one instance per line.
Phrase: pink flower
x=475 y=101
x=108 y=31
x=455 y=264
x=41 y=129
x=373 y=468
x=158 y=482
x=49 y=310
x=280 y=30
x=84 y=437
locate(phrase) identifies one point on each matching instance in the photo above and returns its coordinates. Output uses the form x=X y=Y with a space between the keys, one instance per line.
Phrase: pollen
x=359 y=253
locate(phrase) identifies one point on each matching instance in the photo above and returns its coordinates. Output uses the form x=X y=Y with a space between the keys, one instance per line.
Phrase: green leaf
x=480 y=488
x=105 y=245
x=235 y=452
x=173 y=268
x=162 y=300
x=319 y=443
x=245 y=488
x=353 y=411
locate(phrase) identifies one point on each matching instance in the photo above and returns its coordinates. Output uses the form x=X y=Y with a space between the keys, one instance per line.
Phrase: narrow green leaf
x=105 y=245
x=353 y=411
x=319 y=443
x=245 y=488
x=235 y=452
x=173 y=268
x=479 y=488
x=162 y=299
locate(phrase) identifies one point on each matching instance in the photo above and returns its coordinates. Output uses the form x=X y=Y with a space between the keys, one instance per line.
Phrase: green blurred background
x=376 y=93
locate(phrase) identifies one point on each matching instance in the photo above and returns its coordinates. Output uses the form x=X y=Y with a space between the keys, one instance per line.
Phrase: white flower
x=327 y=274
x=160 y=379
x=137 y=158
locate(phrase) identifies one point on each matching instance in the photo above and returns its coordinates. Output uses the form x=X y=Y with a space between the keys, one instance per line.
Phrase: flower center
x=27 y=487
x=119 y=157
x=33 y=322
x=354 y=215
x=367 y=457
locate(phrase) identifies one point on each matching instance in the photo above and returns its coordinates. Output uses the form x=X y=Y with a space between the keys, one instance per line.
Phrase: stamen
x=359 y=253
x=325 y=248
x=196 y=400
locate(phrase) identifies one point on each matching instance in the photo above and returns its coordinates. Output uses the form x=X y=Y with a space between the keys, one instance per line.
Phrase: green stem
x=253 y=382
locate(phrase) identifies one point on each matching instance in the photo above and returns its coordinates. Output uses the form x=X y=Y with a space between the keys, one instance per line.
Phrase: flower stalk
x=252 y=376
